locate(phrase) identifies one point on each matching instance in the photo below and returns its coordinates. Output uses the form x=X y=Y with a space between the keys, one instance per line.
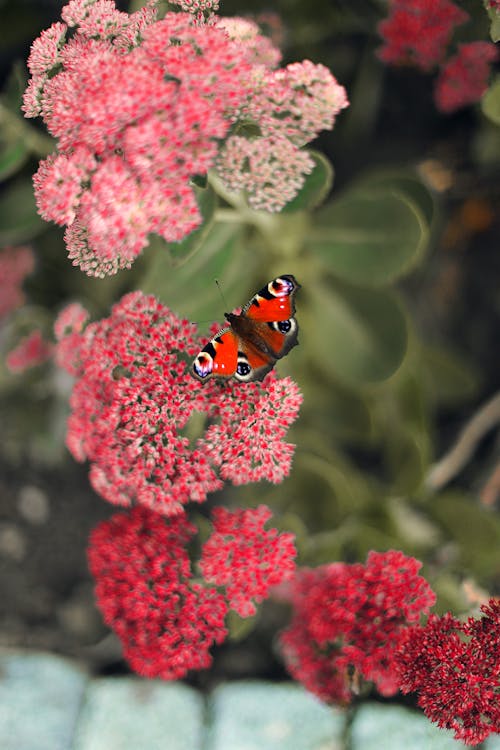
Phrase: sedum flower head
x=136 y=105
x=165 y=621
x=454 y=668
x=350 y=618
x=15 y=264
x=30 y=352
x=133 y=400
x=464 y=78
x=246 y=559
x=140 y=105
x=417 y=32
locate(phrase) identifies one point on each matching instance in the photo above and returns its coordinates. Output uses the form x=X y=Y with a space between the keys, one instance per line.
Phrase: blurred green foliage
x=384 y=390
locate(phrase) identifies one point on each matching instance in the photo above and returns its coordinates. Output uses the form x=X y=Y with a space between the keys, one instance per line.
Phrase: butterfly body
x=249 y=347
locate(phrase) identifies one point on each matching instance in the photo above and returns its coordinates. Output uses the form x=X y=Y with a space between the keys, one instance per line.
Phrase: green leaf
x=447 y=379
x=13 y=154
x=316 y=187
x=190 y=289
x=239 y=627
x=180 y=252
x=403 y=180
x=19 y=220
x=407 y=460
x=490 y=103
x=474 y=528
x=359 y=335
x=495 y=24
x=370 y=238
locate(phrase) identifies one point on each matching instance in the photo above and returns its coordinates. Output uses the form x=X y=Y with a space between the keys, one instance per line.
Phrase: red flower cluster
x=454 y=668
x=417 y=32
x=134 y=396
x=350 y=618
x=464 y=77
x=245 y=558
x=15 y=264
x=139 y=106
x=144 y=587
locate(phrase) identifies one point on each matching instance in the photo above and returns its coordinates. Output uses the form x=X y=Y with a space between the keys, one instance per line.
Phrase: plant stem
x=454 y=461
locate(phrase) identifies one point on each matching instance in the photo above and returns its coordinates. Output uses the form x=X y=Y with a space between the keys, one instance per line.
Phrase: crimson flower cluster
x=417 y=32
x=139 y=106
x=133 y=400
x=239 y=546
x=454 y=667
x=348 y=619
x=167 y=620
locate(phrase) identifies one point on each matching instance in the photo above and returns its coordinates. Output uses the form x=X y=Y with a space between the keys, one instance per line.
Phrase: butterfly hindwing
x=263 y=333
x=219 y=357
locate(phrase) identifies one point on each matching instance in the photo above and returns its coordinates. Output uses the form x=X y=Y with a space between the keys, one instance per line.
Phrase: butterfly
x=249 y=347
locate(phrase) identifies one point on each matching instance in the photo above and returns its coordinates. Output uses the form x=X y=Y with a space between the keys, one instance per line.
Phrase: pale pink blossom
x=246 y=32
x=297 y=102
x=270 y=170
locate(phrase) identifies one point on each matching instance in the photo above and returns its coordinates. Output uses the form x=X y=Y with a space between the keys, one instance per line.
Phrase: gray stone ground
x=48 y=702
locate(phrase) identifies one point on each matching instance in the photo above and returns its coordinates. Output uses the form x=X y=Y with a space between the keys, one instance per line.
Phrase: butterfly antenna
x=221 y=293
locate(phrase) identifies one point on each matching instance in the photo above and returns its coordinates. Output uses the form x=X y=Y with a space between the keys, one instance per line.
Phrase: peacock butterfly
x=262 y=333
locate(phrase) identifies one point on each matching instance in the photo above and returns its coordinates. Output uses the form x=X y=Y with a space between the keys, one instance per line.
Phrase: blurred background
x=397 y=443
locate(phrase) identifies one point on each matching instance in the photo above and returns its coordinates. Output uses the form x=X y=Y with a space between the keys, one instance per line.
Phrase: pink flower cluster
x=348 y=619
x=417 y=32
x=140 y=106
x=454 y=667
x=137 y=105
x=31 y=351
x=15 y=264
x=166 y=621
x=133 y=400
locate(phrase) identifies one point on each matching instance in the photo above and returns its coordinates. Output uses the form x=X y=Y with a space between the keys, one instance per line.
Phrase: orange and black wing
x=272 y=311
x=265 y=331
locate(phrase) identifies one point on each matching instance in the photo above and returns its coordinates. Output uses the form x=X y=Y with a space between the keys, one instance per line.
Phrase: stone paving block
x=40 y=698
x=126 y=713
x=266 y=716
x=398 y=728
x=492 y=743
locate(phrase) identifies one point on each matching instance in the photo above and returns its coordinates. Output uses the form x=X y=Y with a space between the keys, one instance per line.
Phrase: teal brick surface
x=133 y=714
x=49 y=703
x=378 y=727
x=263 y=716
x=40 y=699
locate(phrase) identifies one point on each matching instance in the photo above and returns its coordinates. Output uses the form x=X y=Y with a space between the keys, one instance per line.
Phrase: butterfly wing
x=271 y=312
x=219 y=358
x=263 y=333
